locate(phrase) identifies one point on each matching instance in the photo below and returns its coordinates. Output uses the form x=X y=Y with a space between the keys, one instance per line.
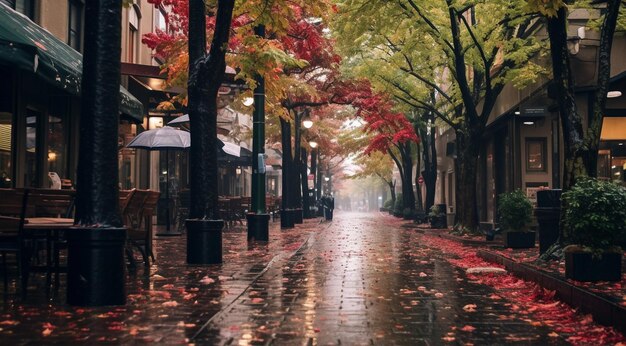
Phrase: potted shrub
x=437 y=216
x=594 y=222
x=515 y=211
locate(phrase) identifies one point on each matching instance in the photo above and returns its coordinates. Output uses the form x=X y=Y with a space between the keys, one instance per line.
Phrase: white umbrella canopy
x=161 y=139
x=180 y=120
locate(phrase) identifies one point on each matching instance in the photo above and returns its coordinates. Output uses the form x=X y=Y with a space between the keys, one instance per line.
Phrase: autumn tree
x=462 y=51
x=379 y=165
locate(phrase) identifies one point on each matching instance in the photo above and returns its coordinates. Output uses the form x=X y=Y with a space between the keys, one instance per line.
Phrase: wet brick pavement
x=362 y=279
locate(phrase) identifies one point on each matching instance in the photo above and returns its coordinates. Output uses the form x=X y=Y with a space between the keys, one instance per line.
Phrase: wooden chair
x=149 y=209
x=12 y=206
x=125 y=196
x=133 y=217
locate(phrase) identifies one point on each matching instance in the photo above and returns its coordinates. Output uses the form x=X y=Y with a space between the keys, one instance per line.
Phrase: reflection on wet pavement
x=364 y=281
x=361 y=279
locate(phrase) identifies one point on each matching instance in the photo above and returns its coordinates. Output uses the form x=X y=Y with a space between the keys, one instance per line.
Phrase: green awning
x=26 y=45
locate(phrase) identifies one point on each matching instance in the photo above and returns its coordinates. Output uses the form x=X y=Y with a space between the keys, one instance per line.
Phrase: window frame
x=543 y=142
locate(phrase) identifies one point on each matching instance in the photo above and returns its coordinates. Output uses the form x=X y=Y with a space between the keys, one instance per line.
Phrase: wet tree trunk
x=304 y=182
x=408 y=196
x=418 y=186
x=97 y=178
x=466 y=166
x=598 y=100
x=429 y=154
x=206 y=73
x=570 y=119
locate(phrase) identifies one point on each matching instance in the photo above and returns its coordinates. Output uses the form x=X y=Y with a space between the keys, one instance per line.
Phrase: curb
x=603 y=310
x=472 y=242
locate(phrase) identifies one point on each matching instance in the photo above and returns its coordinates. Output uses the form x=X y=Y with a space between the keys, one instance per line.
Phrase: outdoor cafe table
x=48 y=228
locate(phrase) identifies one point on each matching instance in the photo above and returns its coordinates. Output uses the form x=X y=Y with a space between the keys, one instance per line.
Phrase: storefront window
x=127 y=157
x=6 y=131
x=31 y=178
x=535 y=154
x=57 y=137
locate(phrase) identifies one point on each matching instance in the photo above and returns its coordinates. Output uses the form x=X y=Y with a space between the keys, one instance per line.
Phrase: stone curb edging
x=471 y=242
x=604 y=311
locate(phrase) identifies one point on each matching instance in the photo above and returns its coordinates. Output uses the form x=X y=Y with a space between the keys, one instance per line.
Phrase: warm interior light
x=313 y=144
x=52 y=156
x=155 y=123
x=613 y=94
x=248 y=101
x=238 y=170
x=529 y=123
x=518 y=112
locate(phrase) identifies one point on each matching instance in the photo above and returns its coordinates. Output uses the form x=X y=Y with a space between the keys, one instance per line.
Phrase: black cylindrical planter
x=286 y=218
x=204 y=241
x=298 y=216
x=258 y=226
x=548 y=214
x=96 y=273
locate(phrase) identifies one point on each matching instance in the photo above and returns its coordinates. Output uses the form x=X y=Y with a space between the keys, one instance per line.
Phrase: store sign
x=534 y=111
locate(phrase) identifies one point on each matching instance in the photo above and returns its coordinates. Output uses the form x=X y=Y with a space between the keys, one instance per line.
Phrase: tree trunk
x=598 y=100
x=408 y=196
x=206 y=73
x=429 y=154
x=304 y=181
x=418 y=187
x=97 y=178
x=466 y=166
x=285 y=140
x=570 y=119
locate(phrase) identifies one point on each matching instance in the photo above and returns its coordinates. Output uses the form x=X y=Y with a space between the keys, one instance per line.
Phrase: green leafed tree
x=462 y=52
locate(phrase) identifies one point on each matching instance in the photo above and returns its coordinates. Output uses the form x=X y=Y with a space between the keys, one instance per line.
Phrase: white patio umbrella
x=164 y=138
x=180 y=120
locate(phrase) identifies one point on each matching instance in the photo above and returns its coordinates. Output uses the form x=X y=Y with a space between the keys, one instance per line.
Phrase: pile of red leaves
x=527 y=298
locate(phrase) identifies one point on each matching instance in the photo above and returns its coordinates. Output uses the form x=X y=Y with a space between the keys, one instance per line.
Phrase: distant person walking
x=328 y=203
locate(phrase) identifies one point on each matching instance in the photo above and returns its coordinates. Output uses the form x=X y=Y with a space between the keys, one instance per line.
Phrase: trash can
x=548 y=213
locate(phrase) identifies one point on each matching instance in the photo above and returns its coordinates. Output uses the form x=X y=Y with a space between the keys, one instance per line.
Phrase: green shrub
x=595 y=214
x=407 y=213
x=388 y=204
x=435 y=211
x=515 y=211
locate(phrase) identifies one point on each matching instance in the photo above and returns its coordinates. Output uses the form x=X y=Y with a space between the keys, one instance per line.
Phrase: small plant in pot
x=437 y=216
x=594 y=222
x=515 y=211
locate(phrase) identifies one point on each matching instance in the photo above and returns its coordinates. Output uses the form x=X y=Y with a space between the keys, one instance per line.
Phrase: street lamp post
x=301 y=119
x=313 y=194
x=258 y=218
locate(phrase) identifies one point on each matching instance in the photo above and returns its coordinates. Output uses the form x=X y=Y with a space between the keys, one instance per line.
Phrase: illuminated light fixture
x=613 y=94
x=238 y=170
x=155 y=123
x=248 y=101
x=164 y=172
x=518 y=112
x=614 y=166
x=529 y=123
x=313 y=144
x=307 y=122
x=52 y=156
x=326 y=178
